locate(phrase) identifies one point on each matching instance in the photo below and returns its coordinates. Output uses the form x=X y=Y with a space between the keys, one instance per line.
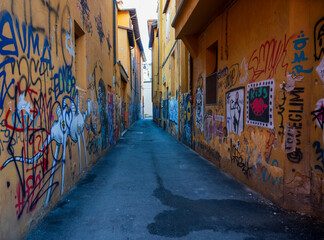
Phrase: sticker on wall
x=320 y=70
x=235 y=110
x=259 y=103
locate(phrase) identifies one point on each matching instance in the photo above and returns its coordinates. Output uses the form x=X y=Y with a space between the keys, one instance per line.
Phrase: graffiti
x=290 y=139
x=165 y=108
x=237 y=158
x=280 y=113
x=185 y=119
x=229 y=76
x=268 y=176
x=319 y=39
x=70 y=122
x=173 y=129
x=260 y=103
x=232 y=76
x=45 y=116
x=108 y=41
x=85 y=11
x=235 y=110
x=222 y=73
x=318 y=114
x=103 y=113
x=265 y=61
x=156 y=111
x=213 y=126
x=210 y=128
x=9 y=48
x=221 y=130
x=173 y=110
x=200 y=109
x=64 y=83
x=299 y=45
x=99 y=27
x=31 y=197
x=111 y=118
x=5 y=88
x=320 y=156
x=117 y=117
x=295 y=113
x=101 y=33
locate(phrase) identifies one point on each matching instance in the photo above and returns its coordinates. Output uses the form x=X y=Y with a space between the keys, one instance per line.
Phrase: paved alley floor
x=150 y=186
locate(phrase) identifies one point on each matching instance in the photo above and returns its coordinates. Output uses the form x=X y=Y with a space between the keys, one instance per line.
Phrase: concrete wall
x=60 y=105
x=266 y=127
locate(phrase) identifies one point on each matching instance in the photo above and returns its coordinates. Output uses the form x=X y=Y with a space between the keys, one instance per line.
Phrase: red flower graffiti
x=258 y=106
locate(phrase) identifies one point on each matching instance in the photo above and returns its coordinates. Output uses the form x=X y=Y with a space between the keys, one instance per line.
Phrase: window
x=185 y=69
x=211 y=73
x=80 y=56
x=211 y=89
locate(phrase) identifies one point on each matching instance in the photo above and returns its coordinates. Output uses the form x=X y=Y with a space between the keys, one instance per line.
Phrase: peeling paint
x=290 y=85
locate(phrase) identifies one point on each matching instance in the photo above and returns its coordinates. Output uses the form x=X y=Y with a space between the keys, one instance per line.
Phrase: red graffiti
x=258 y=106
x=30 y=197
x=271 y=55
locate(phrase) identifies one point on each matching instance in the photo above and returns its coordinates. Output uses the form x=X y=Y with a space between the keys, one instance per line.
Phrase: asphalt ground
x=150 y=186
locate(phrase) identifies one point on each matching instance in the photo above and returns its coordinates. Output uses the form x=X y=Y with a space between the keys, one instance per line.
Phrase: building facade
x=170 y=70
x=61 y=101
x=256 y=92
x=147 y=90
x=130 y=55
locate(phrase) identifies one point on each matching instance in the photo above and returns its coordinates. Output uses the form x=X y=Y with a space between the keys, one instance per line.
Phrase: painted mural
x=260 y=103
x=185 y=118
x=200 y=108
x=266 y=125
x=51 y=128
x=173 y=110
x=235 y=110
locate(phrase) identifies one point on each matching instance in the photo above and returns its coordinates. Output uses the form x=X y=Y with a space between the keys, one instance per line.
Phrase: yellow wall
x=124 y=50
x=266 y=128
x=131 y=59
x=55 y=104
x=155 y=79
x=124 y=19
x=172 y=69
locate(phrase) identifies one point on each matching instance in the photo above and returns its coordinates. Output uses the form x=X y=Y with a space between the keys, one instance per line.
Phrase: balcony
x=192 y=18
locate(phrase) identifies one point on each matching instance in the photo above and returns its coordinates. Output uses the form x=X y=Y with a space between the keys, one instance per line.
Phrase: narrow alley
x=150 y=186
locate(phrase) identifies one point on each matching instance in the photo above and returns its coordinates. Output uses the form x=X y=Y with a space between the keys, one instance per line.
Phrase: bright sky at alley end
x=145 y=9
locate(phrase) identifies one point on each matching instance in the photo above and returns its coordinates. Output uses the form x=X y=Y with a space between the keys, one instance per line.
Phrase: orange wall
x=266 y=128
x=57 y=103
